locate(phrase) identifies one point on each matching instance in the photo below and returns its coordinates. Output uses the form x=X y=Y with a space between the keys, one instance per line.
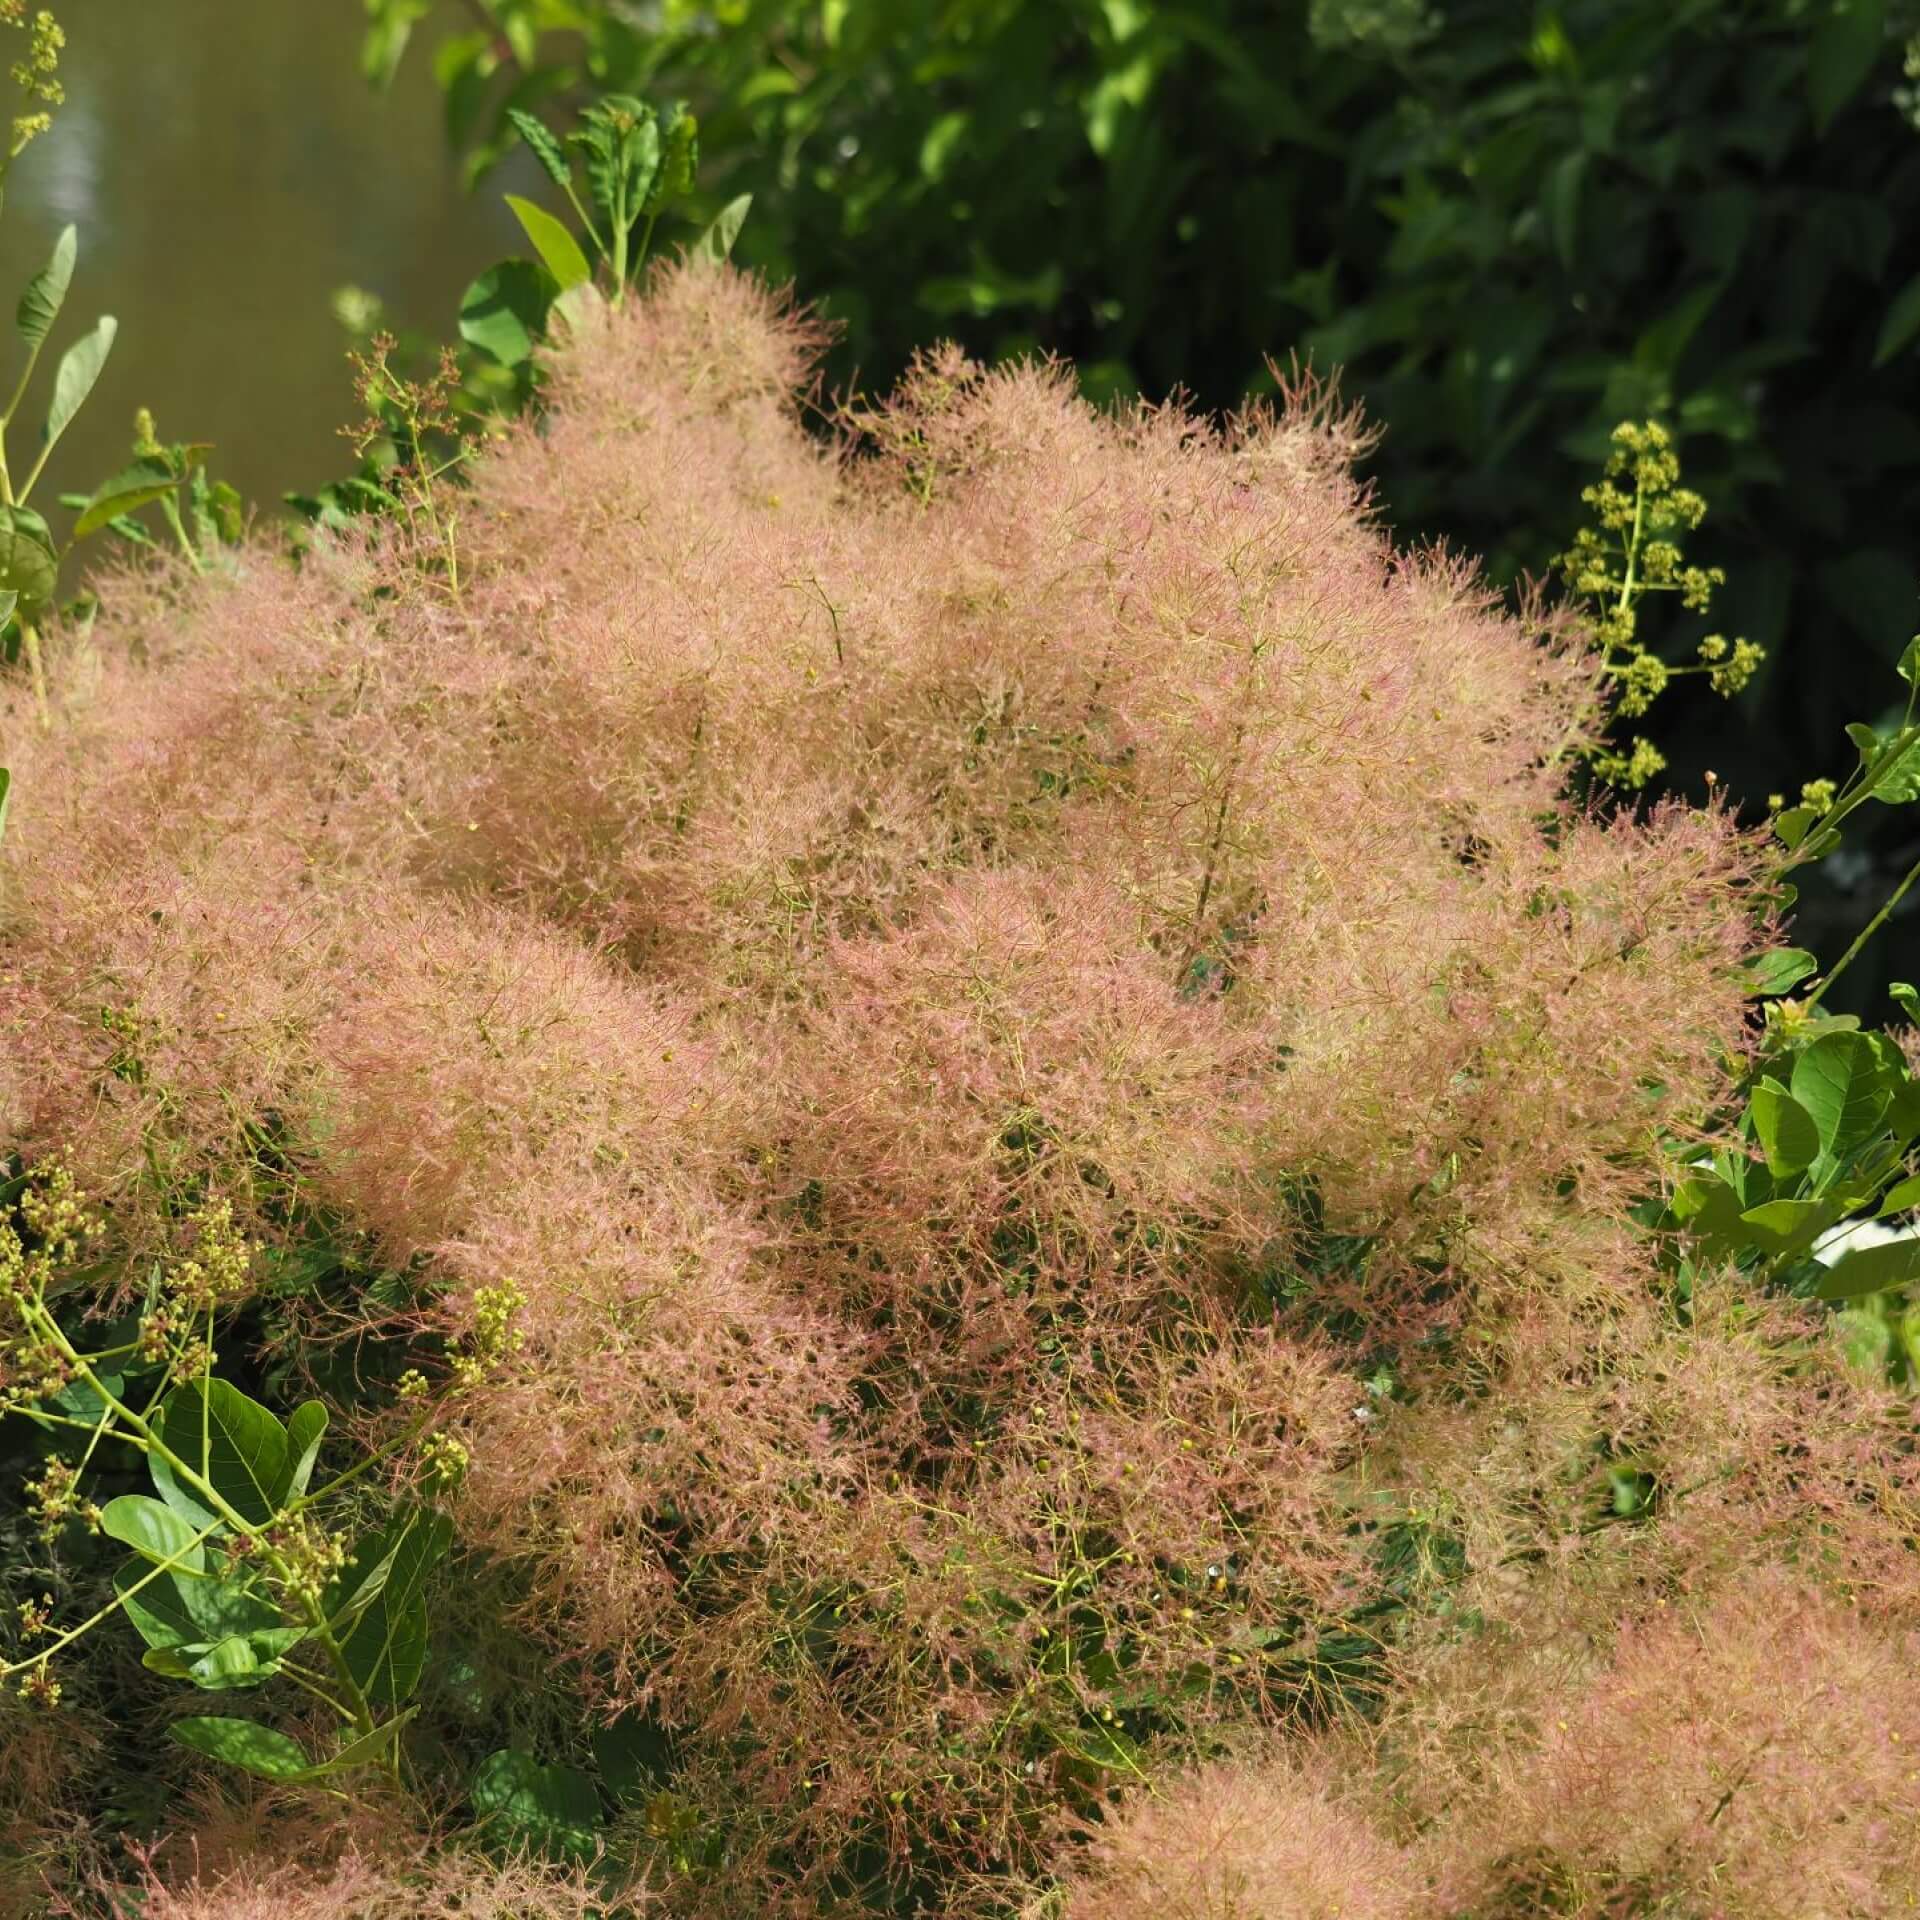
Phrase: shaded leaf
x=553 y=1809
x=716 y=244
x=504 y=312
x=1899 y=324
x=304 y=1433
x=1845 y=44
x=387 y=1648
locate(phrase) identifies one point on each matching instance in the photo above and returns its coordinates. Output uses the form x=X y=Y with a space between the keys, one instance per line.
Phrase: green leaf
x=390 y=25
x=633 y=1756
x=1908 y=665
x=1872 y=1270
x=1902 y=1198
x=1899 y=324
x=153 y=1530
x=620 y=137
x=1845 y=45
x=716 y=244
x=552 y=242
x=504 y=312
x=160 y=1609
x=1791 y=826
x=79 y=368
x=242 y=1743
x=1785 y=1129
x=46 y=292
x=1106 y=1746
x=387 y=1648
x=29 y=565
x=172 y=1611
x=231 y=1442
x=1785 y=1226
x=128 y=491
x=6 y=793
x=369 y=1749
x=1840 y=1082
x=679 y=158
x=1709 y=1209
x=1906 y=997
x=304 y=1432
x=1561 y=198
x=553 y=1809
x=228 y=1662
x=546 y=149
x=1779 y=971
x=1897 y=779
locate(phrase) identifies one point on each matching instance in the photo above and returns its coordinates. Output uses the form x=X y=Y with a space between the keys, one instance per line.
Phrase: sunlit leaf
x=557 y=248
x=242 y=1743
x=47 y=291
x=79 y=368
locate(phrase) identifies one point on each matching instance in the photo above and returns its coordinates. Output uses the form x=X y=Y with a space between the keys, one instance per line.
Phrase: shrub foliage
x=1014 y=1008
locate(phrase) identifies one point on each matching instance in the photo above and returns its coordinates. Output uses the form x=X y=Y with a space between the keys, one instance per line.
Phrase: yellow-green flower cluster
x=444 y=1462
x=494 y=1337
x=54 y=1212
x=36 y=73
x=1640 y=512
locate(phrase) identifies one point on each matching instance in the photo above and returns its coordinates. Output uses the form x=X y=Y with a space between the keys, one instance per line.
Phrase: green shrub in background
x=1512 y=226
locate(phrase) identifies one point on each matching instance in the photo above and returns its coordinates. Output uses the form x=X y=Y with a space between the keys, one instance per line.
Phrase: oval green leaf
x=552 y=242
x=1784 y=1226
x=1785 y=1129
x=554 y=1809
x=504 y=312
x=79 y=368
x=304 y=1432
x=717 y=242
x=242 y=1743
x=29 y=566
x=154 y=1531
x=1780 y=971
x=1872 y=1270
x=46 y=292
x=1840 y=1083
x=231 y=1442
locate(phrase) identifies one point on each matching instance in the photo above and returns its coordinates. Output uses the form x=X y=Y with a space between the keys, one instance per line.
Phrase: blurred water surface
x=228 y=168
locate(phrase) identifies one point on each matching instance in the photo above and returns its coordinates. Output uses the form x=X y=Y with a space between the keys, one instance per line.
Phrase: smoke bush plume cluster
x=981 y=978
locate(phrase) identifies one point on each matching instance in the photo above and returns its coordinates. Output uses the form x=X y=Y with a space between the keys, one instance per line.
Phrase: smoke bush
x=976 y=977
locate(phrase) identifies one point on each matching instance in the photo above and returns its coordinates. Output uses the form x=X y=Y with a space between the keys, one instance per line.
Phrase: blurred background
x=229 y=168
x=1512 y=225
